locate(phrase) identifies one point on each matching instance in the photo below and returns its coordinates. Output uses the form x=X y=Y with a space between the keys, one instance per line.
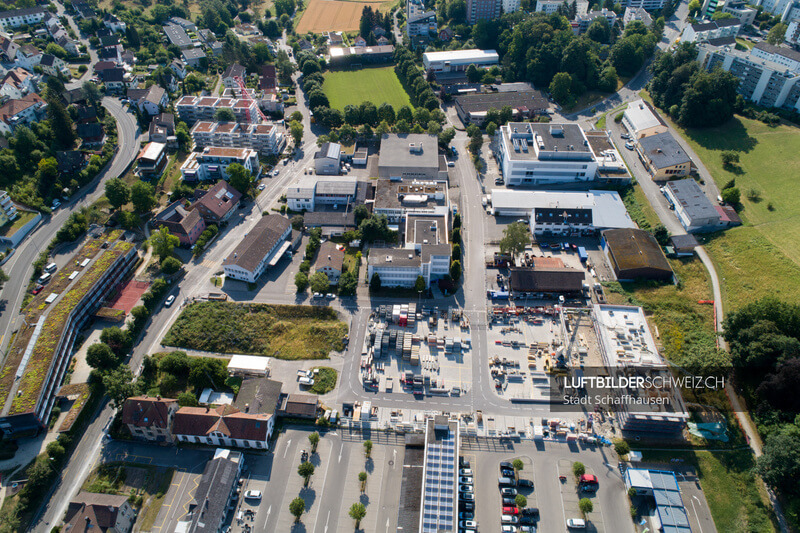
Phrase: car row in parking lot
x=466 y=498
x=514 y=519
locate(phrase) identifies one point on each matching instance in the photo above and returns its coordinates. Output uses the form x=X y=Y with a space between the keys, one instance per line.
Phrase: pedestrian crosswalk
x=208 y=263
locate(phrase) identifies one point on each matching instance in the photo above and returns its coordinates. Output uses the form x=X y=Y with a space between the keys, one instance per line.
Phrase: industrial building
x=663 y=157
x=397 y=199
x=641 y=120
x=262 y=247
x=455 y=60
x=472 y=108
x=663 y=486
x=563 y=213
x=411 y=156
x=545 y=279
x=440 y=476
x=627 y=348
x=328 y=159
x=694 y=210
x=635 y=254
x=538 y=153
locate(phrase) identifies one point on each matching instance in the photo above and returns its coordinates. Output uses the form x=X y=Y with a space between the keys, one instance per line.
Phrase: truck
x=582 y=254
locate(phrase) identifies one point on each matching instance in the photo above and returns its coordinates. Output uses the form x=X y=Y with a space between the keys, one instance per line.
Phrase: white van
x=52 y=267
x=44 y=278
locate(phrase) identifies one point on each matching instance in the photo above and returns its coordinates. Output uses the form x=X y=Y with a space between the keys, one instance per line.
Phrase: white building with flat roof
x=213 y=162
x=533 y=154
x=309 y=193
x=454 y=60
x=641 y=120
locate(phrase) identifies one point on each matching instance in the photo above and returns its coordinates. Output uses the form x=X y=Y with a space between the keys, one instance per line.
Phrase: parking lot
x=556 y=499
x=427 y=352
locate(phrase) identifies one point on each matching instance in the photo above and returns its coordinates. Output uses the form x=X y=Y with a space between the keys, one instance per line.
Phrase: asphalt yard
x=177 y=500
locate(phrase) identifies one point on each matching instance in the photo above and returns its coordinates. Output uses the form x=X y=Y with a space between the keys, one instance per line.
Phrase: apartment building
x=21 y=17
x=715 y=29
x=8 y=211
x=213 y=162
x=265 y=138
x=196 y=108
x=483 y=10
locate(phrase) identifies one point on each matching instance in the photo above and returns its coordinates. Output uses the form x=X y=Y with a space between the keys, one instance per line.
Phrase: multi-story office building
x=265 y=138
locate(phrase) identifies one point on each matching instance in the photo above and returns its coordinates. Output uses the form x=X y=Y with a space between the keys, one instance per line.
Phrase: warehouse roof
x=410 y=150
x=642 y=116
x=260 y=240
x=692 y=199
x=546 y=279
x=607 y=209
x=461 y=55
x=481 y=102
x=663 y=150
x=634 y=249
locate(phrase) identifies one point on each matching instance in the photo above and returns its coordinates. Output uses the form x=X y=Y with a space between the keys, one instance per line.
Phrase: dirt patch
x=333 y=15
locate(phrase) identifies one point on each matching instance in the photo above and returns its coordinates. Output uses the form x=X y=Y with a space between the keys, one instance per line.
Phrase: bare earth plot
x=333 y=15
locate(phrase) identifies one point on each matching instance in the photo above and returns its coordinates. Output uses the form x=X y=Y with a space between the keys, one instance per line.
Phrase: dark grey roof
x=260 y=240
x=210 y=503
x=722 y=41
x=475 y=103
x=663 y=150
x=177 y=35
x=258 y=396
x=113 y=74
x=636 y=251
x=109 y=40
x=704 y=26
x=235 y=70
x=397 y=257
x=21 y=12
x=684 y=241
x=319 y=219
x=725 y=23
x=420 y=16
x=331 y=150
x=395 y=151
x=193 y=53
x=779 y=50
x=546 y=280
x=692 y=199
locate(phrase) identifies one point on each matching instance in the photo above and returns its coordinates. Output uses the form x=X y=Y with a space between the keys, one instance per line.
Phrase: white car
x=576 y=523
x=330 y=296
x=451 y=163
x=468 y=523
x=509 y=519
x=170 y=299
x=629 y=146
x=253 y=495
x=508 y=492
x=467 y=480
x=318 y=295
x=466 y=472
x=262 y=187
x=508 y=529
x=307 y=381
x=467 y=496
x=466 y=488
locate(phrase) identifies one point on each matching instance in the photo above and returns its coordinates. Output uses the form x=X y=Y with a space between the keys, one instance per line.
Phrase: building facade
x=266 y=139
x=195 y=108
x=213 y=162
x=483 y=10
x=265 y=242
x=149 y=418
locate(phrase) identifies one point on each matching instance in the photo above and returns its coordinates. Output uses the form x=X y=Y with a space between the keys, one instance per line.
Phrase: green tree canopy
x=239 y=177
x=163 y=242
x=117 y=192
x=516 y=237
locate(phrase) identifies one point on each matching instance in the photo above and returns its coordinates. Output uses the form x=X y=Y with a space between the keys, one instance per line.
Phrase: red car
x=510 y=510
x=37 y=289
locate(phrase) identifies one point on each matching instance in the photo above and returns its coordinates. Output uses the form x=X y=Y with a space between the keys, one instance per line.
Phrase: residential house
x=83 y=10
x=304 y=45
x=100 y=66
x=90 y=512
x=152 y=160
x=30 y=108
x=28 y=56
x=17 y=83
x=86 y=114
x=216 y=48
x=335 y=38
x=150 y=100
x=218 y=203
x=150 y=418
x=63 y=40
x=193 y=57
x=115 y=80
x=162 y=128
x=113 y=23
x=360 y=41
x=169 y=81
x=70 y=162
x=186 y=224
x=21 y=17
x=73 y=96
x=446 y=34
x=421 y=24
x=231 y=73
x=262 y=247
x=179 y=68
x=583 y=21
x=187 y=25
x=8 y=49
x=53 y=66
x=223 y=426
x=213 y=162
x=664 y=157
x=90 y=133
x=206 y=36
x=268 y=79
x=329 y=261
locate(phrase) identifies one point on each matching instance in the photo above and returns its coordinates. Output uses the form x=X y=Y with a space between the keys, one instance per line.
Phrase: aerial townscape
x=407 y=266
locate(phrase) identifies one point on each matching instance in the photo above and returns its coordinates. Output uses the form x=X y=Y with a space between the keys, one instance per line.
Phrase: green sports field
x=352 y=87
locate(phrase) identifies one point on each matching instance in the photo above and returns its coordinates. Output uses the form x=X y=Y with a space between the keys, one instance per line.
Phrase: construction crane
x=247 y=98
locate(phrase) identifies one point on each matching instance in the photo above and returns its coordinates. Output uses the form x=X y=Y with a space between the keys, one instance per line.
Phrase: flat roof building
x=459 y=59
x=641 y=120
x=559 y=213
x=663 y=487
x=312 y=193
x=396 y=199
x=694 y=210
x=664 y=157
x=194 y=108
x=472 y=108
x=411 y=156
x=440 y=476
x=545 y=279
x=213 y=161
x=264 y=138
x=177 y=36
x=635 y=254
x=533 y=154
x=265 y=242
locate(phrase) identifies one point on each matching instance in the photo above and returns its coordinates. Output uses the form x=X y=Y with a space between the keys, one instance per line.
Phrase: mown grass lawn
x=737 y=502
x=762 y=257
x=281 y=331
x=325 y=380
x=353 y=87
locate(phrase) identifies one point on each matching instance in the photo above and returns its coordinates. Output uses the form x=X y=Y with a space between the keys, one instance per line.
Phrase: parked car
x=466 y=472
x=625 y=136
x=508 y=492
x=576 y=523
x=527 y=483
x=466 y=488
x=466 y=480
x=508 y=501
x=507 y=473
x=253 y=495
x=510 y=510
x=499 y=181
x=509 y=529
x=508 y=519
x=530 y=511
x=37 y=289
x=307 y=381
x=467 y=496
x=468 y=523
x=56 y=204
x=170 y=300
x=466 y=506
x=466 y=516
x=629 y=146
x=262 y=186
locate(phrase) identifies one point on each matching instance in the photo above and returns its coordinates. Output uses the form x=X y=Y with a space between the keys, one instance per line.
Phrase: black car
x=525 y=483
x=466 y=506
x=506 y=465
x=528 y=520
x=530 y=511
x=507 y=473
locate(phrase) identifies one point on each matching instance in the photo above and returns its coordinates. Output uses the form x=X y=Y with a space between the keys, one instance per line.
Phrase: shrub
x=578 y=469
x=621 y=447
x=170 y=265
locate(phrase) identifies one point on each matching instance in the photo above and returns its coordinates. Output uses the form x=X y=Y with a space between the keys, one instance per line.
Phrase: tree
x=314 y=440
x=296 y=116
x=386 y=113
x=777 y=33
x=306 y=470
x=357 y=512
x=348 y=283
x=3 y=277
x=119 y=384
x=518 y=466
x=515 y=238
x=296 y=130
x=60 y=122
x=621 y=447
x=224 y=114
x=297 y=506
x=455 y=269
x=46 y=175
x=474 y=75
x=163 y=242
x=599 y=31
x=491 y=129
x=170 y=265
x=608 y=79
x=731 y=196
x=301 y=281
x=319 y=282
x=187 y=399
x=117 y=192
x=586 y=506
x=119 y=340
x=419 y=284
x=239 y=177
x=779 y=466
x=142 y=197
x=694 y=7
x=368 y=448
x=661 y=234
x=729 y=157
x=578 y=469
x=475 y=144
x=375 y=282
x=560 y=89
x=521 y=501
x=92 y=93
x=100 y=355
